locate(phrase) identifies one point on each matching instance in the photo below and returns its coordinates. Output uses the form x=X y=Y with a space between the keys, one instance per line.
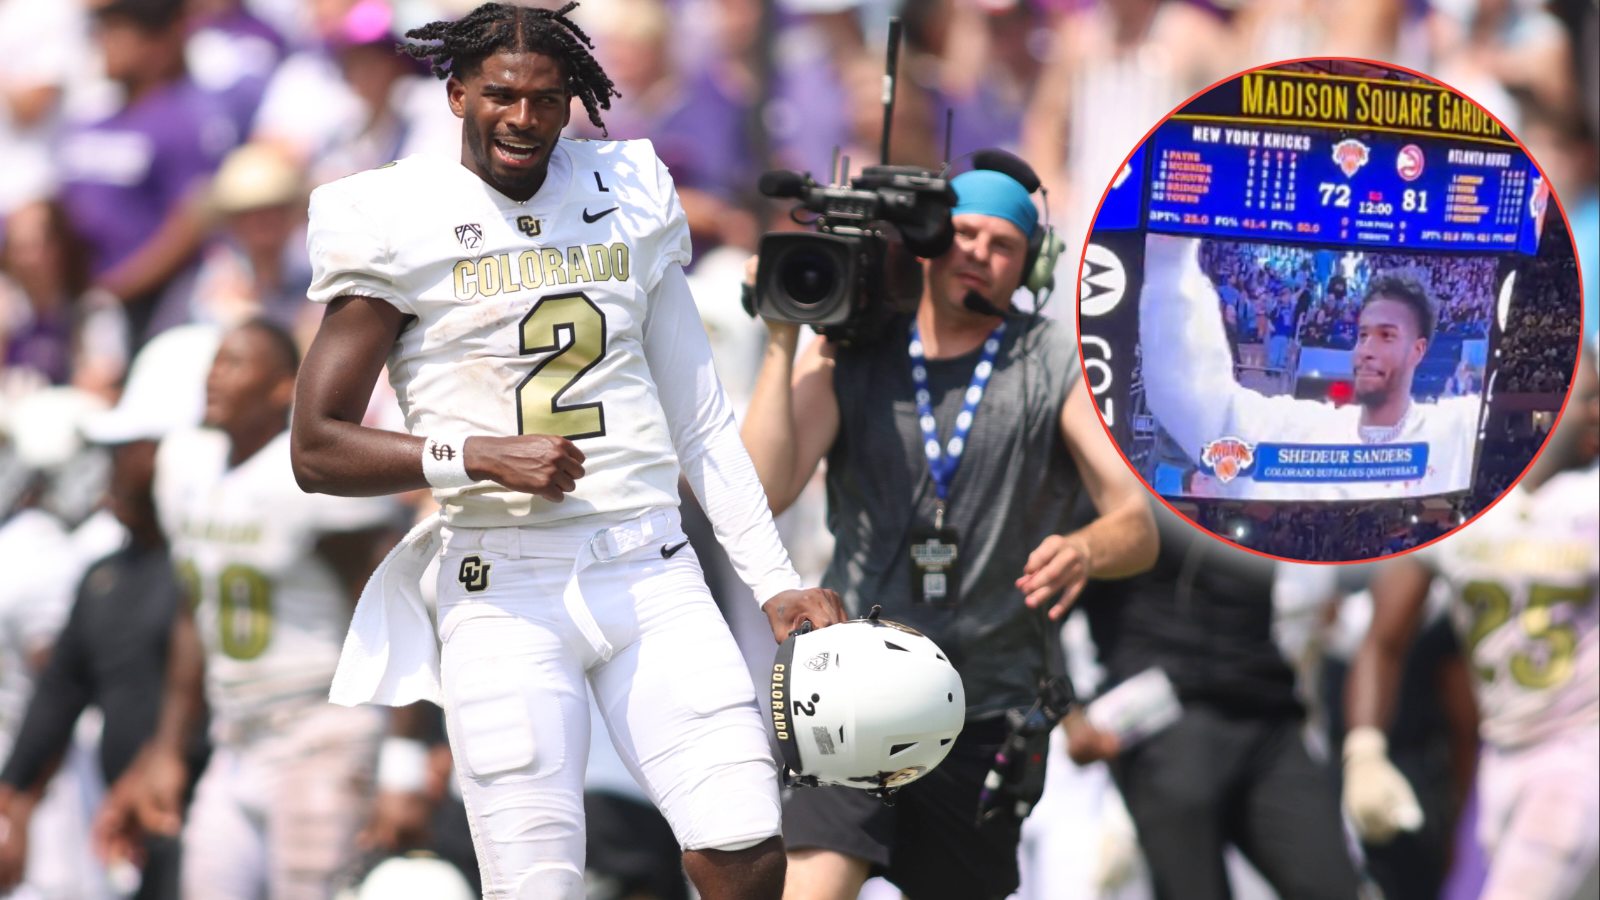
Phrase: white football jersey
x=1528 y=613
x=270 y=610
x=529 y=315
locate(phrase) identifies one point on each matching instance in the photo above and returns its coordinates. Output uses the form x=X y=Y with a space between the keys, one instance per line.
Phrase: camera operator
x=963 y=373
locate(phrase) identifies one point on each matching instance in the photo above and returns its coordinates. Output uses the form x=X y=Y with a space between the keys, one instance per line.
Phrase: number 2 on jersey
x=539 y=406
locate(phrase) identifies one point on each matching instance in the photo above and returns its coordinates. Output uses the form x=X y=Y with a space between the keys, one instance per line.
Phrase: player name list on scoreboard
x=1327 y=185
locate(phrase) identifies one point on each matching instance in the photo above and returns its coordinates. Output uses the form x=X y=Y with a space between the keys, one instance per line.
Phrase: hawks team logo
x=1228 y=457
x=1351 y=155
x=1409 y=162
x=470 y=235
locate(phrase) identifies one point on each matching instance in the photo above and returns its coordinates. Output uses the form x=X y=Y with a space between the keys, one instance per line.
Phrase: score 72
x=1334 y=194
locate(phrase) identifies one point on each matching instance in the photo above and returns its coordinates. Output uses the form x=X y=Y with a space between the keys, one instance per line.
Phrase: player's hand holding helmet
x=867 y=704
x=1377 y=797
x=789 y=612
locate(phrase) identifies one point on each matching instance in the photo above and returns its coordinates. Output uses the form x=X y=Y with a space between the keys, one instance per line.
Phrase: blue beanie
x=990 y=193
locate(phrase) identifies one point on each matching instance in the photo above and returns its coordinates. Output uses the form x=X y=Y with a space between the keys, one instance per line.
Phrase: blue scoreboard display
x=1384 y=191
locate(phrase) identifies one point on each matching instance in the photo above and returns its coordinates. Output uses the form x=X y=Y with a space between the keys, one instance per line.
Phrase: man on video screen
x=1383 y=444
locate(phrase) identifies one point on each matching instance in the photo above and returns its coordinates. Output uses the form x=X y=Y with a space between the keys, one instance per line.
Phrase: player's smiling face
x=512 y=110
x=1388 y=348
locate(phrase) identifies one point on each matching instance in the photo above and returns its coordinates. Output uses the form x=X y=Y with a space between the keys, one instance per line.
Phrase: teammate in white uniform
x=270 y=573
x=1191 y=389
x=556 y=380
x=1528 y=577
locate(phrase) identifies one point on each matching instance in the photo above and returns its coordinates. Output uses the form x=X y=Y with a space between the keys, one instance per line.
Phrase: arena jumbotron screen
x=1295 y=288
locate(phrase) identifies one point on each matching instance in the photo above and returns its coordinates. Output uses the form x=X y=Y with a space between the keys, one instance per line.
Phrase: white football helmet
x=413 y=876
x=867 y=704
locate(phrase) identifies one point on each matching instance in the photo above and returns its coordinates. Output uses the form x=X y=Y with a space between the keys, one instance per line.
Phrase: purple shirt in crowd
x=699 y=135
x=233 y=56
x=121 y=176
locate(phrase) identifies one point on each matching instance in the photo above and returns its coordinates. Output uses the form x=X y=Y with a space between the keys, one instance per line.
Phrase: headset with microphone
x=1044 y=248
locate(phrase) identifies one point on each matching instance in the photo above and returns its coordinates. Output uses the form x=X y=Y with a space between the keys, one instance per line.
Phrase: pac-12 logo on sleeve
x=470 y=235
x=1228 y=457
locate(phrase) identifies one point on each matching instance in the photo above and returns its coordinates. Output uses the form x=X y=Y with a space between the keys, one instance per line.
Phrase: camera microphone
x=782 y=183
x=981 y=305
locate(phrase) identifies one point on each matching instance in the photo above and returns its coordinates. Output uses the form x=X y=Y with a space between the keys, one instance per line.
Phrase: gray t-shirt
x=1015 y=486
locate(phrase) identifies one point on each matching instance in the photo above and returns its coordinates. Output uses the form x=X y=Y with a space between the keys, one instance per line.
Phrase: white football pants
x=533 y=619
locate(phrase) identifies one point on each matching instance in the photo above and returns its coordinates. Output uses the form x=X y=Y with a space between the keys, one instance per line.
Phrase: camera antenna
x=833 y=171
x=949 y=131
x=893 y=63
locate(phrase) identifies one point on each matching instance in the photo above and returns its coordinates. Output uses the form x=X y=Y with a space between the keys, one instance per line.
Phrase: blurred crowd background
x=156 y=157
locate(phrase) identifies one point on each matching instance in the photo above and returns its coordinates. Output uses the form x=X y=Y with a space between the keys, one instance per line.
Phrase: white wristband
x=402 y=765
x=444 y=461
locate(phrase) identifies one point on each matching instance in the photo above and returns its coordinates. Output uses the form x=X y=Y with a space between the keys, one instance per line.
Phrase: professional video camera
x=842 y=278
x=838 y=278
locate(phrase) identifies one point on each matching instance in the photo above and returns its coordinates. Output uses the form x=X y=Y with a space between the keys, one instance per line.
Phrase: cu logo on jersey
x=529 y=226
x=474 y=574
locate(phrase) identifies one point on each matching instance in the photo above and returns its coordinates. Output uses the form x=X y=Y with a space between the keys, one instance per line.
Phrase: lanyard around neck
x=943 y=462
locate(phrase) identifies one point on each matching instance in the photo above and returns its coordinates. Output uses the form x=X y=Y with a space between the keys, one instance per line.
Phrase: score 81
x=1414 y=200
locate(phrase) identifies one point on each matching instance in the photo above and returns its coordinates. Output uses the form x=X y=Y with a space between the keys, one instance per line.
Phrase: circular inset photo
x=1329 y=310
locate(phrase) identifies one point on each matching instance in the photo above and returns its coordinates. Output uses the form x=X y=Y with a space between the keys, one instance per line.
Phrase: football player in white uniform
x=556 y=381
x=1528 y=577
x=270 y=572
x=1191 y=389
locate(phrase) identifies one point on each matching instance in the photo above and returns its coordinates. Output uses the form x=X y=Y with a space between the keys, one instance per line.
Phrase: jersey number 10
x=539 y=406
x=244 y=608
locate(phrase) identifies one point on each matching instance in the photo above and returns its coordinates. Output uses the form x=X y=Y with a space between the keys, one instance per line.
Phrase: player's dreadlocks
x=459 y=47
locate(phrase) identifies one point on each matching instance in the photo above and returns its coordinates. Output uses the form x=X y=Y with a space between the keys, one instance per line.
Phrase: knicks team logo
x=1227 y=458
x=1409 y=162
x=1350 y=155
x=529 y=226
x=474 y=574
